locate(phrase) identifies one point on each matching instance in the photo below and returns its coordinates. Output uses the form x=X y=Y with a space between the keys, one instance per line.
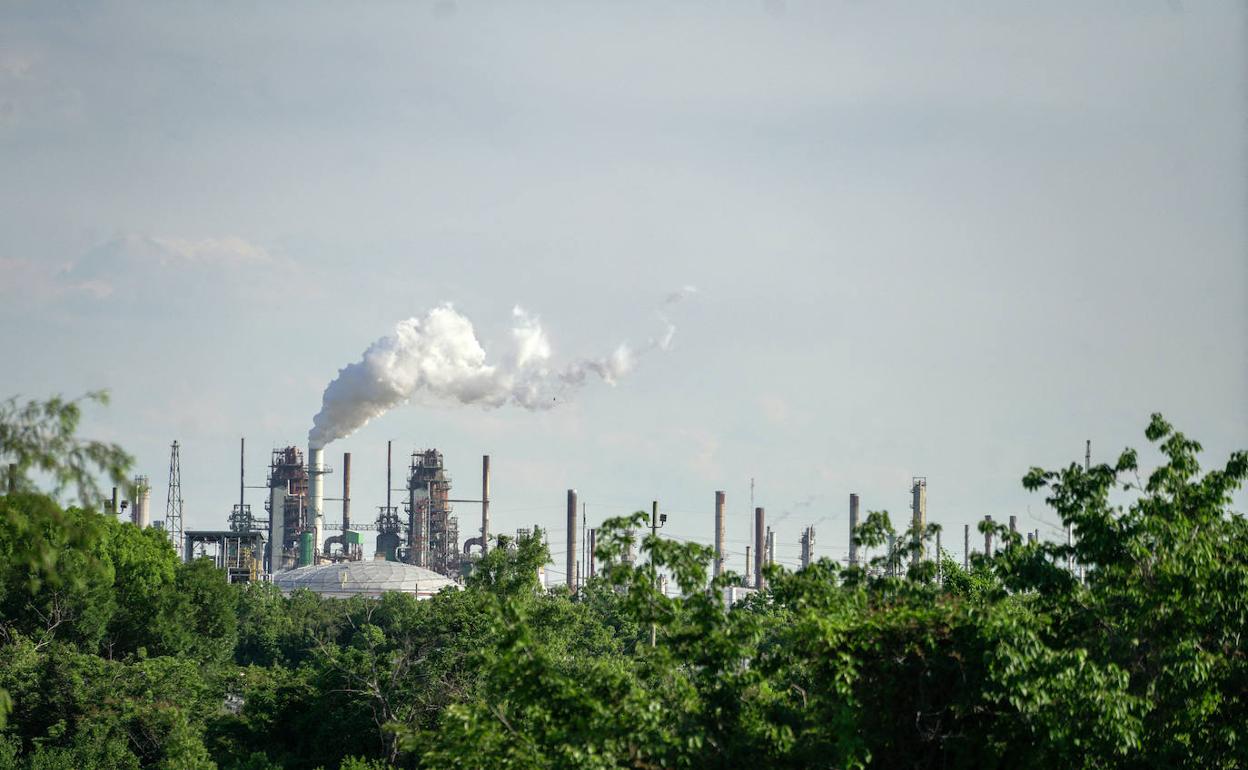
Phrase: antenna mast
x=173 y=502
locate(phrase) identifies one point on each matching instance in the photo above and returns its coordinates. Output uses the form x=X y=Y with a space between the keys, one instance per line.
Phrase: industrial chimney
x=966 y=546
x=316 y=495
x=717 y=566
x=485 y=504
x=853 y=526
x=760 y=547
x=918 y=506
x=346 y=495
x=571 y=541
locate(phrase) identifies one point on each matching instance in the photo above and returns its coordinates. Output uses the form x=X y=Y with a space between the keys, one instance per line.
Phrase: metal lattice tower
x=173 y=501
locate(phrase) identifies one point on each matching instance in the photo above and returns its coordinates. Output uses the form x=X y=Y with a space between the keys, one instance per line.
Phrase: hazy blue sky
x=950 y=240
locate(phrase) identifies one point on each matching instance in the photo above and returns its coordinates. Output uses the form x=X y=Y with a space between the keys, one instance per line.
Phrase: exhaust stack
x=918 y=508
x=346 y=493
x=571 y=541
x=853 y=525
x=485 y=504
x=718 y=566
x=760 y=547
x=316 y=496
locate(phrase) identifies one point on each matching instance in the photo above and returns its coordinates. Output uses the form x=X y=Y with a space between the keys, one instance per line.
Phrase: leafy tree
x=41 y=435
x=119 y=656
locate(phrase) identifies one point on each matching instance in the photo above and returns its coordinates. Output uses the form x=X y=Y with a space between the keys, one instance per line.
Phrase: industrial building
x=290 y=539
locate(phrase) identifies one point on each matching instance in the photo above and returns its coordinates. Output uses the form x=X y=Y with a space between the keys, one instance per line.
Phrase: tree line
x=113 y=654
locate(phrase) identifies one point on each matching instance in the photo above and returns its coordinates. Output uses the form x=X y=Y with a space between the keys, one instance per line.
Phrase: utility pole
x=1071 y=564
x=654 y=534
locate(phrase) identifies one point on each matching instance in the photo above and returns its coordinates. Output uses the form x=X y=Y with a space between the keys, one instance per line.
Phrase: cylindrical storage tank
x=316 y=492
x=306 y=548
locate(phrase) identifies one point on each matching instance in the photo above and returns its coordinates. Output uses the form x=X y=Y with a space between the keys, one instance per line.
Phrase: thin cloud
x=143 y=267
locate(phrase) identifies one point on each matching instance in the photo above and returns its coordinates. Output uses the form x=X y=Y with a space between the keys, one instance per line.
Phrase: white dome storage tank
x=364 y=578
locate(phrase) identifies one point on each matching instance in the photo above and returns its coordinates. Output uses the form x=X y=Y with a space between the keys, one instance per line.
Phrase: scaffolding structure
x=432 y=529
x=173 y=499
x=287 y=507
x=240 y=554
x=808 y=546
x=240 y=518
x=389 y=533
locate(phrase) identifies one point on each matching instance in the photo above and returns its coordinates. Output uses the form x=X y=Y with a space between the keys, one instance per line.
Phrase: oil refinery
x=415 y=547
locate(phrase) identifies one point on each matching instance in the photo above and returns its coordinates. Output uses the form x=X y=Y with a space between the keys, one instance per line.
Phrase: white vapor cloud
x=439 y=355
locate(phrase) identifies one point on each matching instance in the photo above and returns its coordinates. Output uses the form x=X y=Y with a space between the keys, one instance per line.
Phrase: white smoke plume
x=438 y=355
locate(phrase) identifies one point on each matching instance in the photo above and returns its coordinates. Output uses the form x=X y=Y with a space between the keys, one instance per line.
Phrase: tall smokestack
x=1013 y=529
x=485 y=504
x=346 y=495
x=718 y=566
x=988 y=539
x=316 y=495
x=966 y=546
x=571 y=541
x=242 y=466
x=853 y=526
x=919 y=508
x=589 y=557
x=760 y=547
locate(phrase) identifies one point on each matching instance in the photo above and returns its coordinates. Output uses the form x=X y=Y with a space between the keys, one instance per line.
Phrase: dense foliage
x=130 y=659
